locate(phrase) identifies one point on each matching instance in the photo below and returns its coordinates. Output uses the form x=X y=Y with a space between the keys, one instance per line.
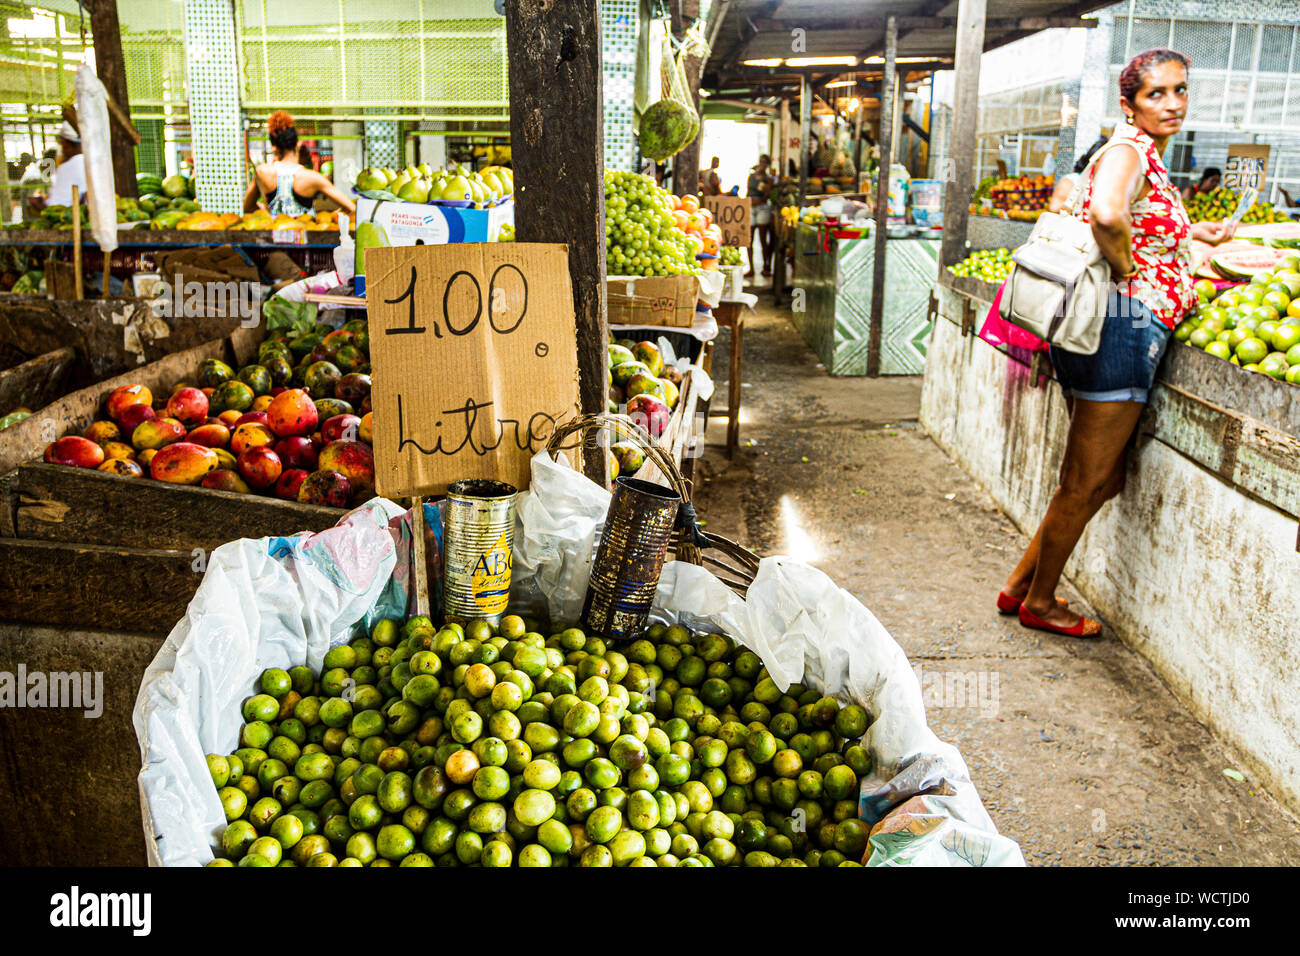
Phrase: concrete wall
x=1197 y=577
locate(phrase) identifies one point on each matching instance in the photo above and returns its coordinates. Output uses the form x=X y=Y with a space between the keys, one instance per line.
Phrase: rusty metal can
x=629 y=558
x=478 y=531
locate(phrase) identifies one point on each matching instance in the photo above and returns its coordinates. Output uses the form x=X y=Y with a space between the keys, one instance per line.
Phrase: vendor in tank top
x=285 y=186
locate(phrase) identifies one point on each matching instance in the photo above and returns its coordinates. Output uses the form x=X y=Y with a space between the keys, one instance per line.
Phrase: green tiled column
x=213 y=84
x=618 y=30
x=835 y=287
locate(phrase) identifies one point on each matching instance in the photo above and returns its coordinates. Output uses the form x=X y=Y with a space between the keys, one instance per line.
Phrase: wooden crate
x=81 y=548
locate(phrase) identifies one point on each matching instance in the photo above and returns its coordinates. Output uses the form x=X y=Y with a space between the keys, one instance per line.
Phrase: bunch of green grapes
x=641 y=236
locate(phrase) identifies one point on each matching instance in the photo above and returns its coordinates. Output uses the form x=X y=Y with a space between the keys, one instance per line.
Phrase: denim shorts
x=1124 y=365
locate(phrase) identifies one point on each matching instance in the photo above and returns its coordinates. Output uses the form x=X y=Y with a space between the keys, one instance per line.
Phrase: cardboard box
x=653 y=300
x=414 y=224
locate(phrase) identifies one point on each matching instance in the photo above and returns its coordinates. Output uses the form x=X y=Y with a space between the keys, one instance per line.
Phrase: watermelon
x=1263 y=232
x=1243 y=264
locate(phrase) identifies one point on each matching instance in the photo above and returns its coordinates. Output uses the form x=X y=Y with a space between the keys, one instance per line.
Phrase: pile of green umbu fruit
x=473 y=745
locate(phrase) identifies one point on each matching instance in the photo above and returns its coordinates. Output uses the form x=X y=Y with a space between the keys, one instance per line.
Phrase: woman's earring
x=1128 y=118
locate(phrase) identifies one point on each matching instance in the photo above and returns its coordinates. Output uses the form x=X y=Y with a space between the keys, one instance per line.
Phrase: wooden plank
x=686 y=164
x=148 y=238
x=110 y=66
x=1244 y=452
x=557 y=121
x=73 y=585
x=73 y=412
x=888 y=108
x=959 y=177
x=1276 y=404
x=96 y=329
x=56 y=503
x=92 y=816
x=936 y=22
x=36 y=382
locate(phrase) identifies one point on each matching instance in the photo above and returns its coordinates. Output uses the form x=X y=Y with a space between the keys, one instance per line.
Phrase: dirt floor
x=1078 y=749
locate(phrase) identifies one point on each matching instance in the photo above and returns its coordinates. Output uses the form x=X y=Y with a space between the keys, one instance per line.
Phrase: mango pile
x=1219 y=204
x=467 y=745
x=301 y=432
x=642 y=387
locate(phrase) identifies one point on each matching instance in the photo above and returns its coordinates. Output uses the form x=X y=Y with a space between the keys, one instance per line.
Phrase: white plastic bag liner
x=92 y=120
x=273 y=602
x=282 y=602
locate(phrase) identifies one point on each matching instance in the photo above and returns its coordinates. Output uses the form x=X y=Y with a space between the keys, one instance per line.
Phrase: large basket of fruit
x=299 y=714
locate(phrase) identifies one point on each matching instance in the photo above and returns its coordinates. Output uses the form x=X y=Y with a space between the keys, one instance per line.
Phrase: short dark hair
x=1209 y=172
x=1082 y=162
x=1130 y=79
x=280 y=131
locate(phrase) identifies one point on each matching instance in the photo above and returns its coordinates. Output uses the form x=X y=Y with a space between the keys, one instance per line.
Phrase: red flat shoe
x=1085 y=627
x=1010 y=605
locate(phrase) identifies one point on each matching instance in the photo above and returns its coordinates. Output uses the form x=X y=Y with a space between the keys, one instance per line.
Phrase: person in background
x=1065 y=185
x=1138 y=220
x=759 y=190
x=1211 y=176
x=304 y=157
x=710 y=184
x=70 y=171
x=284 y=185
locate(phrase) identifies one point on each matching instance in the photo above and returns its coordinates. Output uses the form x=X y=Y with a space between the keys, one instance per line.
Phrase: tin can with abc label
x=478 y=531
x=629 y=558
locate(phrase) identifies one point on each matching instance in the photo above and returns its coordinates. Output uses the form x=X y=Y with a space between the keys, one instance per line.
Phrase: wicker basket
x=734 y=565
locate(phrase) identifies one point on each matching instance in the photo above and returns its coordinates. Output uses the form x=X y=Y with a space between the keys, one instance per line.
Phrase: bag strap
x=1074 y=204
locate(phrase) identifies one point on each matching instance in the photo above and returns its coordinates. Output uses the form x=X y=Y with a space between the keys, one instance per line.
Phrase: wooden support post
x=888 y=105
x=805 y=134
x=108 y=271
x=686 y=164
x=557 y=124
x=110 y=65
x=76 y=241
x=959 y=165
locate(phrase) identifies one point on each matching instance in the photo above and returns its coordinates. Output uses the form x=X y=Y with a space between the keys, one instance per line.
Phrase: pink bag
x=998 y=331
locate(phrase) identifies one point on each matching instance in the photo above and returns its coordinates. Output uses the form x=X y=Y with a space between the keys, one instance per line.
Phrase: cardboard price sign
x=475 y=358
x=731 y=214
x=1247 y=166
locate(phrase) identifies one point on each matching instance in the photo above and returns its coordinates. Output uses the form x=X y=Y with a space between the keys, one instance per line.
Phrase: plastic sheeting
x=284 y=601
x=92 y=122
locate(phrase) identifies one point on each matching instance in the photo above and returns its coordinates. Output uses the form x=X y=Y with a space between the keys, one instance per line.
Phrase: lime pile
x=1255 y=326
x=465 y=746
x=641 y=235
x=991 y=265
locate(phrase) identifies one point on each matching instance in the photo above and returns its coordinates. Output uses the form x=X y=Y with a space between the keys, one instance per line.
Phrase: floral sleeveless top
x=1162 y=250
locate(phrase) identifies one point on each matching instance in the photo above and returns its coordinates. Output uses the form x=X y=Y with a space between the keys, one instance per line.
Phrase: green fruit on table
x=675 y=750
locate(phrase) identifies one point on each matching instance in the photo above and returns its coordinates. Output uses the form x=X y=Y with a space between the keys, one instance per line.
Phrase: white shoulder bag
x=1060 y=281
